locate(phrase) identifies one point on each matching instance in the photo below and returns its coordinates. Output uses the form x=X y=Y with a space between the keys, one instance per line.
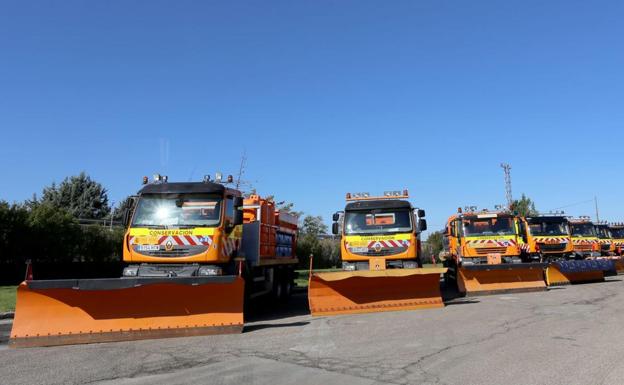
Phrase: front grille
x=552 y=247
x=382 y=252
x=490 y=250
x=173 y=253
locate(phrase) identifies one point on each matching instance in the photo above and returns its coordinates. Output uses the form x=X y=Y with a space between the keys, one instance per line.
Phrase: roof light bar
x=386 y=195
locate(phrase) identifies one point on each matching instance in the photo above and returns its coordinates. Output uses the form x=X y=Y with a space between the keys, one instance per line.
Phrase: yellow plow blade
x=66 y=312
x=501 y=278
x=374 y=291
x=567 y=272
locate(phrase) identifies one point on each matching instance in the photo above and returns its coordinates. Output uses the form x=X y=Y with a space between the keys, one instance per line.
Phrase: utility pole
x=596 y=203
x=507 y=168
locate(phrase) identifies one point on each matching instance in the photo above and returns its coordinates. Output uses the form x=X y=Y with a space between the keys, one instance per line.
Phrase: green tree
x=15 y=235
x=434 y=244
x=313 y=225
x=80 y=196
x=524 y=206
x=313 y=239
x=55 y=233
x=120 y=210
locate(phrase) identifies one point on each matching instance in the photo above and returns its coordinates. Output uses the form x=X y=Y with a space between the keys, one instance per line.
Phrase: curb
x=7 y=315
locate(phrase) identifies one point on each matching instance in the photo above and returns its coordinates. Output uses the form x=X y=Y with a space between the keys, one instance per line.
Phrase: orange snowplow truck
x=194 y=252
x=482 y=251
x=617 y=230
x=381 y=260
x=546 y=238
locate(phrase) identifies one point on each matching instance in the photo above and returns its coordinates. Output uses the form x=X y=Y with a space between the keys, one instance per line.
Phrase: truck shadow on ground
x=255 y=327
x=265 y=309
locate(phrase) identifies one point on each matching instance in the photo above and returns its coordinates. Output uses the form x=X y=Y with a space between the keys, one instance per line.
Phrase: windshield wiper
x=149 y=226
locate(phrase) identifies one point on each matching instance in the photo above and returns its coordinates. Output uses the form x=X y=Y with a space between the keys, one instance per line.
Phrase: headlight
x=209 y=271
x=348 y=266
x=131 y=271
x=409 y=265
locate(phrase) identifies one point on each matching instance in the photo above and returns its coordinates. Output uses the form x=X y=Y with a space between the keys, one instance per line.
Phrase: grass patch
x=7 y=298
x=302 y=280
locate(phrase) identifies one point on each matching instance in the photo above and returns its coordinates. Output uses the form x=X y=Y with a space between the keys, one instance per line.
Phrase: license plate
x=359 y=249
x=148 y=247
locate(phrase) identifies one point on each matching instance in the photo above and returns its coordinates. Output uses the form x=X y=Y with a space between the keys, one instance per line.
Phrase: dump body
x=483 y=252
x=186 y=275
x=381 y=258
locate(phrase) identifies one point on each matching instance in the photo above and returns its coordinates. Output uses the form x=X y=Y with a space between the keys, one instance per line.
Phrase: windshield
x=617 y=233
x=603 y=232
x=180 y=210
x=583 y=230
x=540 y=227
x=378 y=221
x=488 y=226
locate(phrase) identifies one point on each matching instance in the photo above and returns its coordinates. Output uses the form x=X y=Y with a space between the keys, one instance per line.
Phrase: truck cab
x=605 y=239
x=475 y=237
x=617 y=231
x=183 y=229
x=547 y=237
x=584 y=238
x=379 y=233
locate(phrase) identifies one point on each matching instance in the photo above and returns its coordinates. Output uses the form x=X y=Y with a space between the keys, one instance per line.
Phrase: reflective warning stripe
x=388 y=243
x=181 y=240
x=502 y=243
x=552 y=239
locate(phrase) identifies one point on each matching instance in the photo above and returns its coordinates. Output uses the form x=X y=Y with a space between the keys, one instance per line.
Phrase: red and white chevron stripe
x=390 y=243
x=552 y=239
x=492 y=242
x=181 y=240
x=584 y=241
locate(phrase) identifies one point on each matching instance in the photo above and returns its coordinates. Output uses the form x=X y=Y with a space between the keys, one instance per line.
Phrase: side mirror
x=238 y=216
x=127 y=214
x=422 y=225
x=335 y=228
x=335 y=217
x=421 y=213
x=238 y=202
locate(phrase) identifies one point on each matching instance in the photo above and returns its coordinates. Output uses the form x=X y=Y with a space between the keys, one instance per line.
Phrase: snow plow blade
x=374 y=291
x=501 y=278
x=567 y=272
x=65 y=312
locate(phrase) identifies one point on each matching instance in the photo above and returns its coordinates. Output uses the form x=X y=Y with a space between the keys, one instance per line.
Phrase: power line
x=573 y=204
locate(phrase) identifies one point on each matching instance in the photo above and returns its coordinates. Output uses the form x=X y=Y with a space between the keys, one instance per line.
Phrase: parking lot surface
x=569 y=335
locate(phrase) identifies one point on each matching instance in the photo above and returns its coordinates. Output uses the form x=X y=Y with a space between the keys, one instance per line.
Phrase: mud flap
x=62 y=312
x=501 y=278
x=567 y=272
x=374 y=291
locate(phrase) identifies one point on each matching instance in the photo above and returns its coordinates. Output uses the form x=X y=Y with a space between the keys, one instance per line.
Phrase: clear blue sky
x=324 y=96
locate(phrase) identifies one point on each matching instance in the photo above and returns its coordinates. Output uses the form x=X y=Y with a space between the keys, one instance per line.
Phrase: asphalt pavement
x=569 y=335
